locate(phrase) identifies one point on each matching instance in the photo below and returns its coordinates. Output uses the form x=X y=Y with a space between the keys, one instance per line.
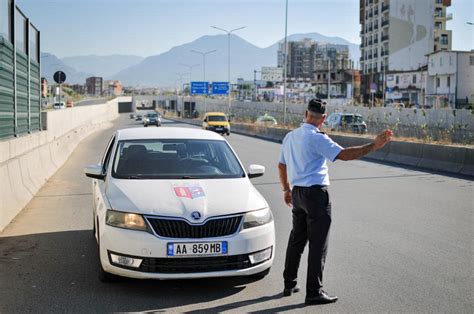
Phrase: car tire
x=145 y=125
x=228 y=133
x=261 y=274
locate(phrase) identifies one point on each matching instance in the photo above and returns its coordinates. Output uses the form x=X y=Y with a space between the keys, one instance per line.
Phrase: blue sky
x=150 y=27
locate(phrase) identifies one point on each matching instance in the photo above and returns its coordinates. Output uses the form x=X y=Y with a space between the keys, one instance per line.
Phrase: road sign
x=220 y=88
x=373 y=87
x=199 y=88
x=59 y=77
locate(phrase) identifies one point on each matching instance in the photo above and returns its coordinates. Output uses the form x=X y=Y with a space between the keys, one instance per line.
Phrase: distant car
x=176 y=203
x=151 y=118
x=138 y=117
x=266 y=120
x=59 y=105
x=352 y=122
x=217 y=122
x=69 y=104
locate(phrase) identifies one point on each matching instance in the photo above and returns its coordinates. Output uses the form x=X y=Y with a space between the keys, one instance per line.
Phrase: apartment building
x=396 y=35
x=450 y=81
x=301 y=56
x=333 y=67
x=94 y=86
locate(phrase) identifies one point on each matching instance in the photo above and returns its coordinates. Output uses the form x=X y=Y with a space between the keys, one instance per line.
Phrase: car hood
x=180 y=198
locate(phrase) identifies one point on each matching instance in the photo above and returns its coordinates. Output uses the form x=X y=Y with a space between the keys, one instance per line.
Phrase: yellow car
x=217 y=122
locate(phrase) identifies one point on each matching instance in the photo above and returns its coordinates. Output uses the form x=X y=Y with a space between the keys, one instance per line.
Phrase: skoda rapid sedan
x=174 y=203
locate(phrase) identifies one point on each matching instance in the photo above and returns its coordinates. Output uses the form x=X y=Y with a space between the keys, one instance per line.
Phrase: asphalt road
x=401 y=241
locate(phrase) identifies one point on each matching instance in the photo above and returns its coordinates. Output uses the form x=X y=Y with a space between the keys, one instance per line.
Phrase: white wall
x=410 y=33
x=465 y=76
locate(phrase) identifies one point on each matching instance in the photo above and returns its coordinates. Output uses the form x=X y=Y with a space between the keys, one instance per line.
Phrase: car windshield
x=216 y=118
x=352 y=119
x=151 y=115
x=175 y=159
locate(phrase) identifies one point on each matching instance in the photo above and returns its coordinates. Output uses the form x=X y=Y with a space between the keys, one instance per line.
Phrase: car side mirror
x=255 y=171
x=94 y=171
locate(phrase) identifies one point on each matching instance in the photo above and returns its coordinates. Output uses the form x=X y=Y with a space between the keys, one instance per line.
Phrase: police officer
x=304 y=178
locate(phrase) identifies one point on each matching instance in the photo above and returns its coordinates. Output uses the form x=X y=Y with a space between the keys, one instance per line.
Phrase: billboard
x=410 y=33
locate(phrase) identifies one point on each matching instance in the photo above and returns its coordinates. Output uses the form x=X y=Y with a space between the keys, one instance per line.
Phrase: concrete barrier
x=451 y=159
x=27 y=162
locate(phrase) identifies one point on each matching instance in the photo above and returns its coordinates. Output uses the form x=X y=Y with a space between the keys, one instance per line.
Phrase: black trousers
x=311 y=223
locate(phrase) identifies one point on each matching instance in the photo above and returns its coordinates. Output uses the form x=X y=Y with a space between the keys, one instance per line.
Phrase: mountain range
x=162 y=69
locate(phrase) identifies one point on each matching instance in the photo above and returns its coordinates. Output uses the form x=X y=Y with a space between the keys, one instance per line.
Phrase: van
x=217 y=122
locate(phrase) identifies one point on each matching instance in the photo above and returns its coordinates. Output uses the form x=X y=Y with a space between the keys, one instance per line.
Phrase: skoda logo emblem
x=196 y=215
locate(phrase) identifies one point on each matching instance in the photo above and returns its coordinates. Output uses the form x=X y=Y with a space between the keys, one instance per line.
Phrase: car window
x=175 y=159
x=216 y=118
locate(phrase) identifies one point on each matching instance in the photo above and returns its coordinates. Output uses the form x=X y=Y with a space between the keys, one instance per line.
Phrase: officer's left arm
x=284 y=183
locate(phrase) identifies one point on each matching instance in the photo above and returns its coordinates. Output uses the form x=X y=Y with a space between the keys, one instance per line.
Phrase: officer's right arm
x=356 y=152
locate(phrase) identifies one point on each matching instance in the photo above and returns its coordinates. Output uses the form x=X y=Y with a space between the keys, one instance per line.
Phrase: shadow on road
x=55 y=272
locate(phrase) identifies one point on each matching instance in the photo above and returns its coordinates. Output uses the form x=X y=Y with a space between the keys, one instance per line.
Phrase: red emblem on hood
x=189 y=191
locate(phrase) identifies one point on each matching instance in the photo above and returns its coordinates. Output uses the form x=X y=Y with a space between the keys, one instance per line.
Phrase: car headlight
x=257 y=218
x=125 y=220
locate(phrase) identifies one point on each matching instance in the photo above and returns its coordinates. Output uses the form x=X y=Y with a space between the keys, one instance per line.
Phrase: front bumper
x=220 y=130
x=157 y=265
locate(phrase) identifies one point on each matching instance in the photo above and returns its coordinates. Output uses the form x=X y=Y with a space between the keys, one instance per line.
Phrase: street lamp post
x=228 y=57
x=203 y=54
x=190 y=67
x=285 y=63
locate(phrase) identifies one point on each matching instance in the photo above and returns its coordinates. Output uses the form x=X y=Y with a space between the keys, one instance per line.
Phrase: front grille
x=218 y=227
x=194 y=264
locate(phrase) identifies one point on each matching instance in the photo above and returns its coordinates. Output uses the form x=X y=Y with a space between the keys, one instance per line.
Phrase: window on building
x=444 y=39
x=20 y=32
x=450 y=60
x=440 y=61
x=432 y=63
x=414 y=79
x=396 y=79
x=448 y=82
x=5 y=19
x=34 y=49
x=438 y=82
x=471 y=60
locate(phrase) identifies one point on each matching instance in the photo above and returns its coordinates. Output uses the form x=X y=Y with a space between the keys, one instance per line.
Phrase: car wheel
x=228 y=133
x=145 y=125
x=261 y=274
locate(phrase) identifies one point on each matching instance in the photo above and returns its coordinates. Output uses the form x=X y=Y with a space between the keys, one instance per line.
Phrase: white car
x=174 y=203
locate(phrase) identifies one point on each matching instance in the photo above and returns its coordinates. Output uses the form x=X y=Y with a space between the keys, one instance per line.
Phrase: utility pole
x=228 y=59
x=329 y=81
x=285 y=63
x=204 y=71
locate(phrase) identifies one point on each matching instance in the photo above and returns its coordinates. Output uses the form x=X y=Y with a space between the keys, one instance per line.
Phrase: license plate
x=219 y=129
x=197 y=249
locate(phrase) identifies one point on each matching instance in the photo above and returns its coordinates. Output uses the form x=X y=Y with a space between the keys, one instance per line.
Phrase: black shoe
x=321 y=298
x=288 y=291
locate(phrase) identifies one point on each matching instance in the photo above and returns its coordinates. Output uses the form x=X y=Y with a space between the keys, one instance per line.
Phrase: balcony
x=369 y=56
x=370 y=43
x=376 y=26
x=384 y=38
x=376 y=12
x=384 y=22
x=385 y=7
x=362 y=33
x=375 y=55
x=376 y=41
x=370 y=28
x=383 y=53
x=370 y=14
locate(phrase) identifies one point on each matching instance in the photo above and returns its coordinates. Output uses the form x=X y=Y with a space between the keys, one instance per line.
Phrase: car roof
x=166 y=133
x=215 y=114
